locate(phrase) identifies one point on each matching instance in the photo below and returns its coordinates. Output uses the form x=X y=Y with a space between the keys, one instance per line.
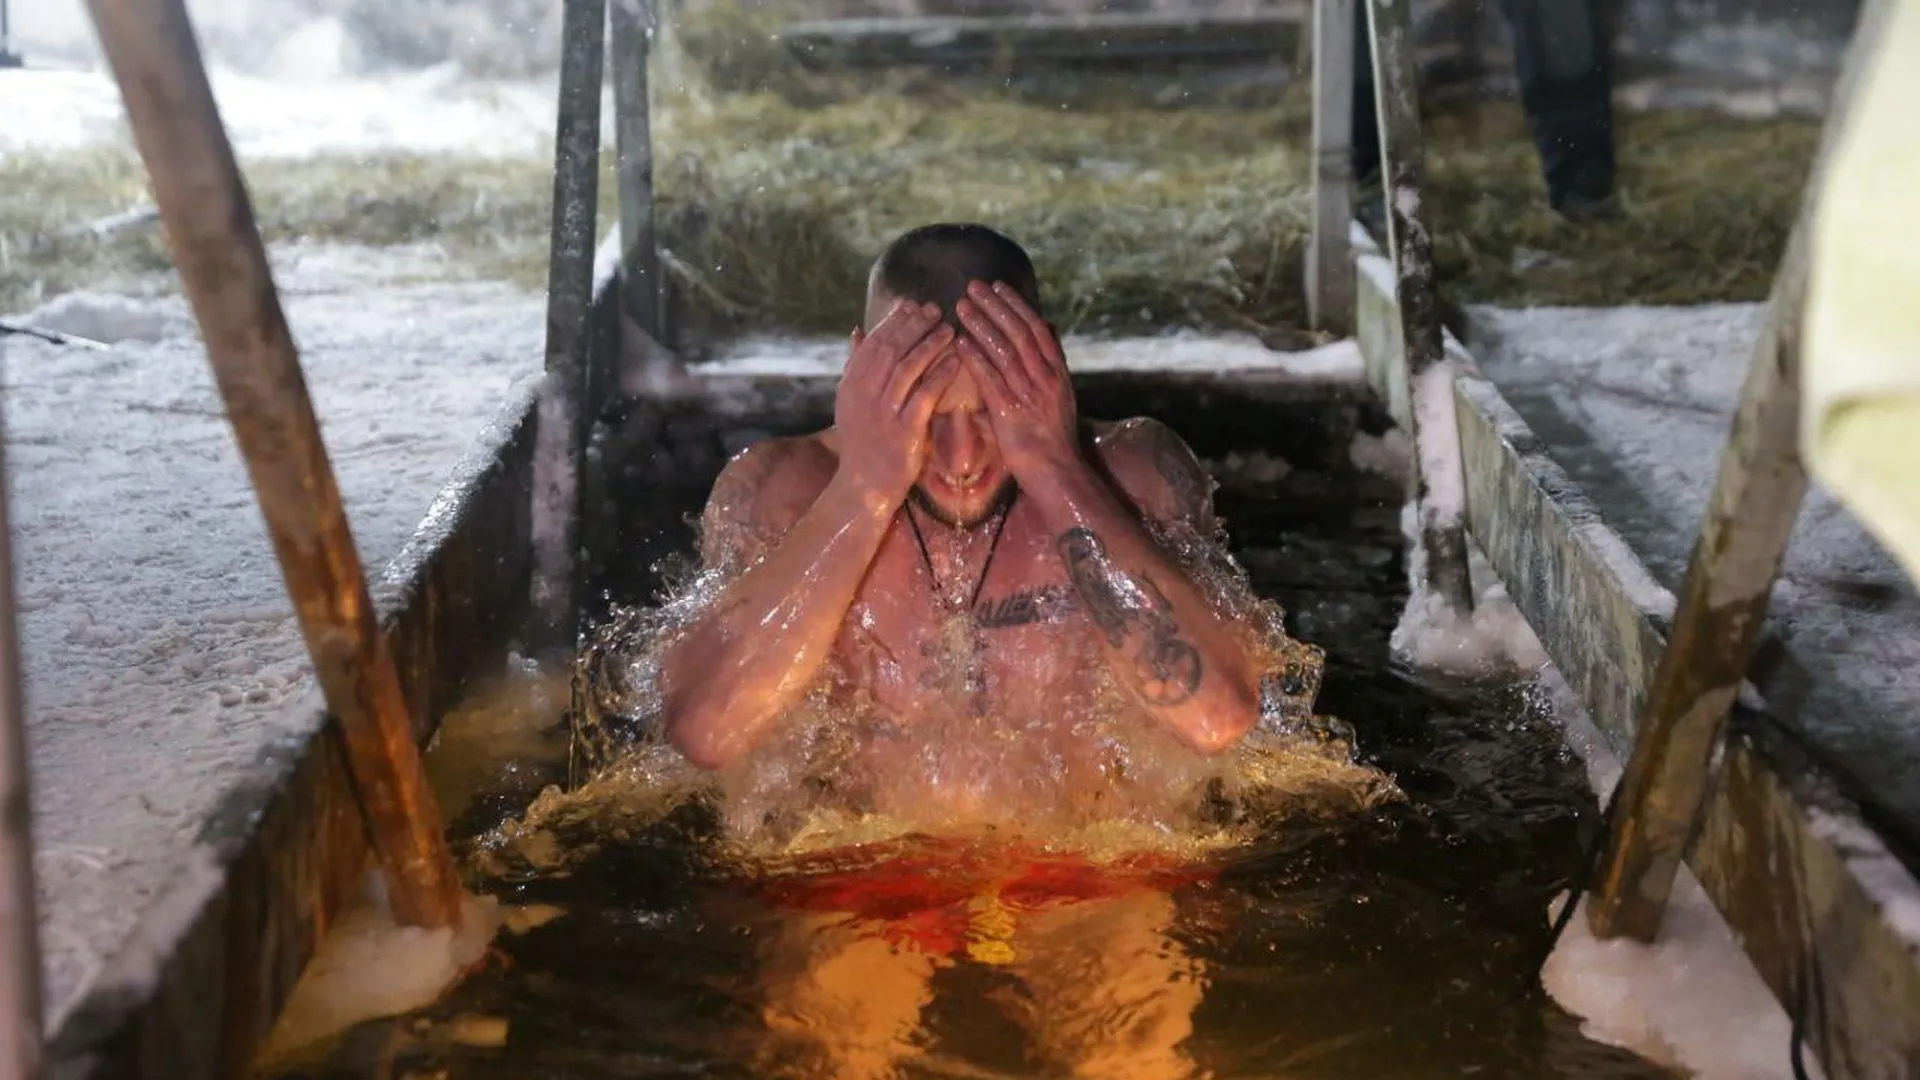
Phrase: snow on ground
x=161 y=653
x=1186 y=351
x=1636 y=404
x=432 y=111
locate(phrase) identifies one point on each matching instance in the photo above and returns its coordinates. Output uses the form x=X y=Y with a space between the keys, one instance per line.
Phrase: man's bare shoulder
x=1155 y=468
x=765 y=488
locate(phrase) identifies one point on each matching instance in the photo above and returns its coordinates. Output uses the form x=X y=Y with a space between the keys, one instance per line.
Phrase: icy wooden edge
x=1821 y=906
x=197 y=984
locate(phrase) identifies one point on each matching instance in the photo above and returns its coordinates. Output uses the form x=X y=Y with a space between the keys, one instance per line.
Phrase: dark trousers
x=1560 y=56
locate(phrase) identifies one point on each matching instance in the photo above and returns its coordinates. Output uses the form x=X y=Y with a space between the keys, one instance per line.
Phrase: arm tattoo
x=1168 y=667
x=1184 y=475
x=1092 y=578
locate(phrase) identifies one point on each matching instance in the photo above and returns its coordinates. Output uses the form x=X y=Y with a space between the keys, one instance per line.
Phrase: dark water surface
x=1400 y=945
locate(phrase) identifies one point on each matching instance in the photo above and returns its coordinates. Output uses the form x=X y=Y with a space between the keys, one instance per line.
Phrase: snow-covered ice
x=1636 y=404
x=1185 y=351
x=1691 y=999
x=161 y=653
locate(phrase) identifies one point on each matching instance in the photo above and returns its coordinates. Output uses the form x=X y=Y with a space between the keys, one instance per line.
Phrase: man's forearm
x=1184 y=662
x=748 y=660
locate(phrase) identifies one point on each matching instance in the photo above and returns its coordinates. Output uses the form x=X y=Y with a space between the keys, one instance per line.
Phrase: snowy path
x=160 y=647
x=1636 y=404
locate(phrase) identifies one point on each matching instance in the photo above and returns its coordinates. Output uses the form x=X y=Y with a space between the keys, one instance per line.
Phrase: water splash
x=1091 y=772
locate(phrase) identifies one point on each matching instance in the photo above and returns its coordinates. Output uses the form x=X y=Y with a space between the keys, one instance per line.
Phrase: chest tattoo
x=1040 y=604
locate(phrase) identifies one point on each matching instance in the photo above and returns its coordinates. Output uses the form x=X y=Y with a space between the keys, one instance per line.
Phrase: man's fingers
x=1025 y=351
x=921 y=402
x=998 y=352
x=1042 y=332
x=907 y=373
x=993 y=385
x=904 y=323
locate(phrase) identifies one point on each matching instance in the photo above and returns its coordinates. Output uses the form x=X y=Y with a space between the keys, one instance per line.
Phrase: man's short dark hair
x=933 y=264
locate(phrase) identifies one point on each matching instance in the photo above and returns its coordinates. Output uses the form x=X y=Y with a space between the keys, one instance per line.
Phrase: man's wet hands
x=897 y=374
x=1017 y=361
x=893 y=379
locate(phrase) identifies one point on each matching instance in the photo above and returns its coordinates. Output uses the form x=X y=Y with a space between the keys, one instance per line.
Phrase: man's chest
x=1002 y=620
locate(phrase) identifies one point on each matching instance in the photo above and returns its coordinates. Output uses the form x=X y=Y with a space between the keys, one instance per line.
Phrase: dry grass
x=1140 y=217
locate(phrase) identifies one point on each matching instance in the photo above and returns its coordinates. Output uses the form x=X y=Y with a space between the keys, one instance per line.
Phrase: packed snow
x=161 y=653
x=1184 y=351
x=1636 y=404
x=294 y=79
x=1690 y=999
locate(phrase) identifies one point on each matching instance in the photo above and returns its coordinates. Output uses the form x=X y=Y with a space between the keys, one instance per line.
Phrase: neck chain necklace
x=993 y=546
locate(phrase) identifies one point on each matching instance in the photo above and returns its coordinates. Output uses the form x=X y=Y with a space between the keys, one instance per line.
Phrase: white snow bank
x=161 y=654
x=1493 y=638
x=1187 y=352
x=1691 y=999
x=438 y=110
x=369 y=966
x=111 y=318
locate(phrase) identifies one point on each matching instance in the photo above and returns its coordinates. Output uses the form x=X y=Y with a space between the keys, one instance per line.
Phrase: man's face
x=964 y=480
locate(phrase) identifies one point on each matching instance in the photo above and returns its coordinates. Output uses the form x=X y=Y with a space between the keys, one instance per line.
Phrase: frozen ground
x=430 y=111
x=1636 y=404
x=160 y=648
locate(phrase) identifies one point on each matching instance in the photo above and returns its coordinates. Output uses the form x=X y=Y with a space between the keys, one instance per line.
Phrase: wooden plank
x=1106 y=39
x=1439 y=489
x=633 y=26
x=1329 y=250
x=563 y=397
x=1813 y=895
x=223 y=264
x=20 y=999
x=1723 y=602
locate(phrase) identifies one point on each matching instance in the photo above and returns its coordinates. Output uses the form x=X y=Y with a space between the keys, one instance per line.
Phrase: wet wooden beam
x=223 y=265
x=1440 y=489
x=564 y=395
x=1813 y=895
x=633 y=27
x=1329 y=251
x=20 y=998
x=1723 y=602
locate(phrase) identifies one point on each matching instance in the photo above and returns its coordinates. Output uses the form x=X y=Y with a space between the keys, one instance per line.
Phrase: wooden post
x=1723 y=602
x=216 y=245
x=1442 y=506
x=20 y=1002
x=1330 y=249
x=641 y=285
x=8 y=58
x=561 y=432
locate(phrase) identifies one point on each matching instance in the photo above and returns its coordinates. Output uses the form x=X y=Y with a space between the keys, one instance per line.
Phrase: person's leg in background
x=1560 y=55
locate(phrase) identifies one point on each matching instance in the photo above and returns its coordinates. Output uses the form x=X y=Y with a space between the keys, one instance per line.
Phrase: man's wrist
x=876 y=500
x=1064 y=485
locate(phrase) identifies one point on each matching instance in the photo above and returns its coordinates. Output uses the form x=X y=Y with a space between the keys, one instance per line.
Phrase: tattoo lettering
x=1043 y=604
x=1167 y=666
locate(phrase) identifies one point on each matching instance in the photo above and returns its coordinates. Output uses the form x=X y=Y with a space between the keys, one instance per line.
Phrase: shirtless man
x=976 y=573
x=958 y=482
